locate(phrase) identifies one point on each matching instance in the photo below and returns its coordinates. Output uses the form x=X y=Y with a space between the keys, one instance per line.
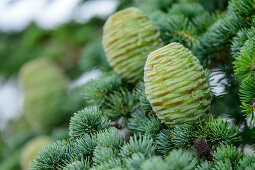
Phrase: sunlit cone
x=45 y=90
x=129 y=36
x=175 y=85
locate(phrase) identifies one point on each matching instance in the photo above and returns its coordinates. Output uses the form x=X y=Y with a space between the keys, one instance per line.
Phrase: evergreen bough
x=88 y=121
x=146 y=139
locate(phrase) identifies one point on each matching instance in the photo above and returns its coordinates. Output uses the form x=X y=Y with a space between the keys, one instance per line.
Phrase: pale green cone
x=128 y=38
x=175 y=85
x=45 y=90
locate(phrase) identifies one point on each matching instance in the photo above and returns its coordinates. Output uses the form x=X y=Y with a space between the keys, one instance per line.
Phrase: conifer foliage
x=165 y=121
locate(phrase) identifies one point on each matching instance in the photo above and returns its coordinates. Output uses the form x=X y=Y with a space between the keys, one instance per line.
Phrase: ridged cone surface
x=175 y=85
x=128 y=38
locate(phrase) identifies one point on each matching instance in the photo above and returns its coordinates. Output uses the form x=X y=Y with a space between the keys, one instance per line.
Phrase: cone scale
x=175 y=85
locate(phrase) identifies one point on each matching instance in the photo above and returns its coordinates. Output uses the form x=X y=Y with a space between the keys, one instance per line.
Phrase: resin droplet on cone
x=129 y=36
x=175 y=85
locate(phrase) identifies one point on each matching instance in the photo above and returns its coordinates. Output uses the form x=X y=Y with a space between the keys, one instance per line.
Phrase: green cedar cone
x=45 y=88
x=175 y=85
x=129 y=36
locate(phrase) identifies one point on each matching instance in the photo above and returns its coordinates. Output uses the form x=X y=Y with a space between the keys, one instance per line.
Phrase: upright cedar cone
x=45 y=90
x=129 y=36
x=175 y=85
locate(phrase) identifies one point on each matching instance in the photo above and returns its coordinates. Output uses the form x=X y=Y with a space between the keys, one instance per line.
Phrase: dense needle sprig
x=144 y=142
